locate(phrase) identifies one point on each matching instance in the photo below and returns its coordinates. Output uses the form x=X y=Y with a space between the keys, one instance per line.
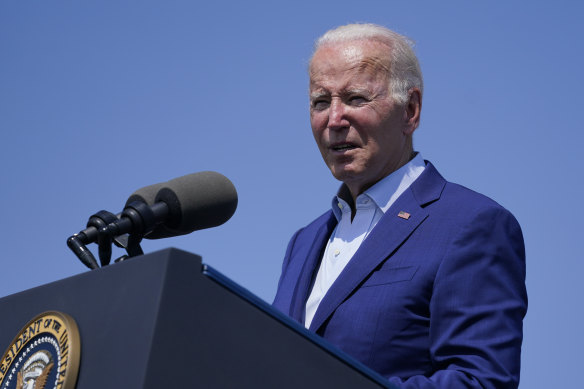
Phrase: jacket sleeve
x=477 y=307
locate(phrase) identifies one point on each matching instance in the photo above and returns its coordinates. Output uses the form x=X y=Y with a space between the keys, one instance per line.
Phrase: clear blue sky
x=98 y=99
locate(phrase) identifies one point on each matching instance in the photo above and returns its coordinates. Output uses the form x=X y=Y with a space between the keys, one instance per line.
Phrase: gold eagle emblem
x=35 y=371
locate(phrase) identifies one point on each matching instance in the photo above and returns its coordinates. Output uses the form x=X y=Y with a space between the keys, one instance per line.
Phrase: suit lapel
x=389 y=233
x=385 y=238
x=308 y=268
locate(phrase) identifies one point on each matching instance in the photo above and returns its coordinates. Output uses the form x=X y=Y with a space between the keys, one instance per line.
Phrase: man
x=420 y=279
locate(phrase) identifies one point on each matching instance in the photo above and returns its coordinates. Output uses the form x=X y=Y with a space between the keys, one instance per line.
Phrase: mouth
x=340 y=147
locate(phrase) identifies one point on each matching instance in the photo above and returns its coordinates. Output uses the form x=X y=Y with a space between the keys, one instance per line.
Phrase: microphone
x=195 y=202
x=176 y=207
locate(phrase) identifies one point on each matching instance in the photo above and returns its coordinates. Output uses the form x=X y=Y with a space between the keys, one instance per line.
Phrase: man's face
x=362 y=134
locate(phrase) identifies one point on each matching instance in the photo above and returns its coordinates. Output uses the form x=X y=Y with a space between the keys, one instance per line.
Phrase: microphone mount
x=125 y=230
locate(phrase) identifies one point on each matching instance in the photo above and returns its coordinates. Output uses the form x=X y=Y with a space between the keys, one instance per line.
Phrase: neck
x=354 y=189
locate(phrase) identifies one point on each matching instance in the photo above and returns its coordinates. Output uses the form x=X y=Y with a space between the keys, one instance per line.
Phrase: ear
x=413 y=109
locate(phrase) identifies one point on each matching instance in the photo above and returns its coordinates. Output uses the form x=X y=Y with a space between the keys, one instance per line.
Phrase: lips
x=343 y=146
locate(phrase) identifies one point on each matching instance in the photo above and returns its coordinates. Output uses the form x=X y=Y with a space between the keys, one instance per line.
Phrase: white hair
x=404 y=73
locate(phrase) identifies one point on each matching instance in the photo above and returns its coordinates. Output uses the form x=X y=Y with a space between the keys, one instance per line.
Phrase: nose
x=337 y=119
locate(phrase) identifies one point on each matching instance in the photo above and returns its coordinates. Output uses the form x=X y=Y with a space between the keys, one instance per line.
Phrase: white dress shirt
x=348 y=236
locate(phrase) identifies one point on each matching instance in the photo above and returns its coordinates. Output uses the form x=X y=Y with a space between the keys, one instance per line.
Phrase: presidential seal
x=44 y=355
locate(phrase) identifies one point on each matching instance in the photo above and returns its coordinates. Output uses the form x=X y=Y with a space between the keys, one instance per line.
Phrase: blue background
x=98 y=99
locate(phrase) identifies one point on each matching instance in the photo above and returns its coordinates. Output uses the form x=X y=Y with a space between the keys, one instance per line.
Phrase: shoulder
x=478 y=218
x=454 y=202
x=468 y=201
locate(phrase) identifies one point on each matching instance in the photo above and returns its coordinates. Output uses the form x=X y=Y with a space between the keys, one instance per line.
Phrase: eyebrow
x=317 y=95
x=344 y=92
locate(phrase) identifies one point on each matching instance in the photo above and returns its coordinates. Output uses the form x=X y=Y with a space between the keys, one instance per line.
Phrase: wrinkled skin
x=361 y=132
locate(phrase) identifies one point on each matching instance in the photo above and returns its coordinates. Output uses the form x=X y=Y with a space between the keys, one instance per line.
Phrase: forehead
x=349 y=62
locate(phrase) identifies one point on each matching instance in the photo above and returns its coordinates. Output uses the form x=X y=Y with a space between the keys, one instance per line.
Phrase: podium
x=166 y=320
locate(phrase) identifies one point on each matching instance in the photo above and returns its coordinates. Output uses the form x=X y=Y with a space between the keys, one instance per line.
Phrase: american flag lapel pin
x=404 y=215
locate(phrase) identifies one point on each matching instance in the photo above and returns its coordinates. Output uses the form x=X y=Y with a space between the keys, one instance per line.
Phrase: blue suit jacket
x=433 y=301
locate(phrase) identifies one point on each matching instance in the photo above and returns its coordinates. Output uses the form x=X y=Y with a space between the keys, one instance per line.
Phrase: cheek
x=318 y=126
x=319 y=137
x=318 y=120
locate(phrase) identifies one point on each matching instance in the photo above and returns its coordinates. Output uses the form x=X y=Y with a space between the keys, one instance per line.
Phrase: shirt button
x=337 y=252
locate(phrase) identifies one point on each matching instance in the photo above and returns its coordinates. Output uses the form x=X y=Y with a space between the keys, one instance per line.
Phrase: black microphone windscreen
x=146 y=195
x=195 y=201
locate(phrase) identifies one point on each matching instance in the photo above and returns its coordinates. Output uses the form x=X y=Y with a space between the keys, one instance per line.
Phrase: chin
x=344 y=174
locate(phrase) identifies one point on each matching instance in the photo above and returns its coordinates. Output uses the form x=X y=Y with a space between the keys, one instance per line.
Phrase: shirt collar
x=387 y=190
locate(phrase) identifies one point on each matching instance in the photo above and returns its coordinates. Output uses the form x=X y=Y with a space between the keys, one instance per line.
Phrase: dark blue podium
x=165 y=320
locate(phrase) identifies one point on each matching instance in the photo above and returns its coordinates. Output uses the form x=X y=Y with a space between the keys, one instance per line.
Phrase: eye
x=356 y=100
x=320 y=104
